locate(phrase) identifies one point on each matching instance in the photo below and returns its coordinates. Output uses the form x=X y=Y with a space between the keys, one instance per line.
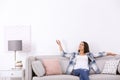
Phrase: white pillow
x=38 y=68
x=110 y=67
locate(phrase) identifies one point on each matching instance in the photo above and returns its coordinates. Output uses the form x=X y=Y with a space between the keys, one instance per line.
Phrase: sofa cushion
x=64 y=64
x=57 y=77
x=38 y=68
x=52 y=66
x=104 y=77
x=100 y=63
x=110 y=67
x=71 y=77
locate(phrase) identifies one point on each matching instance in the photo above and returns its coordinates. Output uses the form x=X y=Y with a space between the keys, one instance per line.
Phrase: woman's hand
x=111 y=54
x=59 y=44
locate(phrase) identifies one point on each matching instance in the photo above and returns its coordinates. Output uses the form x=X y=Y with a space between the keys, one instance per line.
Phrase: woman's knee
x=76 y=72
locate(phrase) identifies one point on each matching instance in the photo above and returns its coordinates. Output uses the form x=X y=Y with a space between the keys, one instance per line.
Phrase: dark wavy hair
x=86 y=47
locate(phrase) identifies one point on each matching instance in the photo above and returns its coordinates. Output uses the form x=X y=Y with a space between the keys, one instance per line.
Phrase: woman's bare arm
x=59 y=44
x=64 y=54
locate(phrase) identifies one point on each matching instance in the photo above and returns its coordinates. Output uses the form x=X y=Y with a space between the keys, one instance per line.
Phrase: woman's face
x=81 y=46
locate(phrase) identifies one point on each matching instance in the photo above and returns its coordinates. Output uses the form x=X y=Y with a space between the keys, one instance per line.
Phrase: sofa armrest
x=28 y=68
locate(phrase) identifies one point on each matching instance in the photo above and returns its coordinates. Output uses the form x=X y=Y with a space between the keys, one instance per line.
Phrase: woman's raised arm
x=64 y=54
x=59 y=44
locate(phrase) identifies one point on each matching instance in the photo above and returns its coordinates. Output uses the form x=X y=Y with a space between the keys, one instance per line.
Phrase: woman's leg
x=80 y=77
x=76 y=72
x=84 y=73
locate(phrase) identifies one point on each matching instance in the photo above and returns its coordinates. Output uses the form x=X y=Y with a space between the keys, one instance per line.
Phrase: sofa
x=30 y=75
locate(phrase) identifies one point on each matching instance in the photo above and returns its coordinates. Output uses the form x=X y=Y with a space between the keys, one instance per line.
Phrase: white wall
x=71 y=21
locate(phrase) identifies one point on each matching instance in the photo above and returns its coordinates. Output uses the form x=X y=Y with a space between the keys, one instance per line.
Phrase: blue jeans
x=82 y=73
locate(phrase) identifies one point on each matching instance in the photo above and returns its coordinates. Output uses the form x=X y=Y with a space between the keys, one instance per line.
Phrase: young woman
x=82 y=61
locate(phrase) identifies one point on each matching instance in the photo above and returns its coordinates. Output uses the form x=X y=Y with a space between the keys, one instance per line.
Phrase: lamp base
x=17 y=65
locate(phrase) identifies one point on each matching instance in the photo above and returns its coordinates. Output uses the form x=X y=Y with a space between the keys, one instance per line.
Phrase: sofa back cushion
x=100 y=63
x=64 y=64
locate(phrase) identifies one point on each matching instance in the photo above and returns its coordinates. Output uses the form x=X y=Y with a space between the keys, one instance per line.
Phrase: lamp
x=15 y=45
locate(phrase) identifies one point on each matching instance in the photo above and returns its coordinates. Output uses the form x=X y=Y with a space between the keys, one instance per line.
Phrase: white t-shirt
x=81 y=62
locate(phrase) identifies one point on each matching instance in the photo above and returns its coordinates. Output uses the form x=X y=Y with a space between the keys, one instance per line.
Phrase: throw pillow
x=38 y=68
x=110 y=67
x=119 y=68
x=118 y=57
x=52 y=66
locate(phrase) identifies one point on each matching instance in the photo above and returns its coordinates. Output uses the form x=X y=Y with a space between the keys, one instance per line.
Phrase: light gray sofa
x=29 y=74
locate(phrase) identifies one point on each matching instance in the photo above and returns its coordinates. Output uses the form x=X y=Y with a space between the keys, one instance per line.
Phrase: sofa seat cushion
x=57 y=77
x=104 y=77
